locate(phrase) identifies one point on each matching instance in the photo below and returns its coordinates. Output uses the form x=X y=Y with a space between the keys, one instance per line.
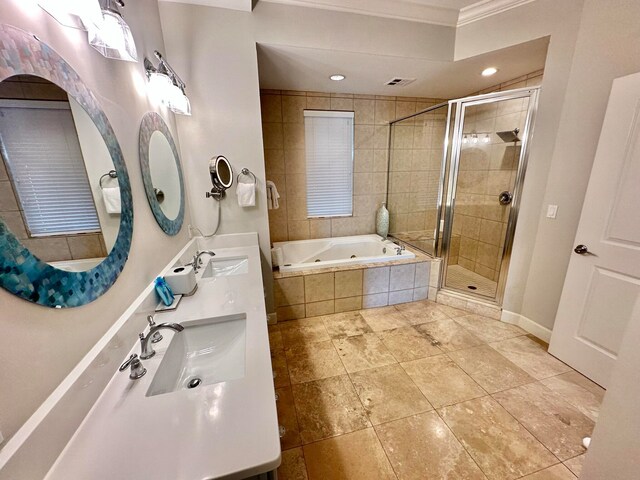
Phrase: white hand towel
x=269 y=199
x=246 y=194
x=111 y=197
x=272 y=196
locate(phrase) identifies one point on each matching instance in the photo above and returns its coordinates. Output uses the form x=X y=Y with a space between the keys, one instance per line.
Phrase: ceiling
x=308 y=69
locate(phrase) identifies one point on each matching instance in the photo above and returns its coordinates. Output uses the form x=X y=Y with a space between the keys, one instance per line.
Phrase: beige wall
x=283 y=133
x=592 y=42
x=214 y=50
x=560 y=21
x=39 y=346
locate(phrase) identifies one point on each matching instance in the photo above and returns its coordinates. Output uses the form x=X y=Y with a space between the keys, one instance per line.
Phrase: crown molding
x=407 y=10
x=242 y=5
x=487 y=8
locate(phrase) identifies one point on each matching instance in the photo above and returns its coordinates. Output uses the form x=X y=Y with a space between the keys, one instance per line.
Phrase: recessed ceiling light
x=337 y=77
x=487 y=72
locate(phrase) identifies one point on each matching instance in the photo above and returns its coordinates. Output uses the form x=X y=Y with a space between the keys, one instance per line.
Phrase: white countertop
x=224 y=430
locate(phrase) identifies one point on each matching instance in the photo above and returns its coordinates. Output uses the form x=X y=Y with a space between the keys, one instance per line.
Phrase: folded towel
x=272 y=196
x=246 y=194
x=111 y=197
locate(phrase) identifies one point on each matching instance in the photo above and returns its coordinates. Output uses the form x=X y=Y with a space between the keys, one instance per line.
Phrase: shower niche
x=455 y=177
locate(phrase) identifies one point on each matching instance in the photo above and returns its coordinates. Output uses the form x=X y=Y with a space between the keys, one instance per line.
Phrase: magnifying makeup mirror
x=221 y=176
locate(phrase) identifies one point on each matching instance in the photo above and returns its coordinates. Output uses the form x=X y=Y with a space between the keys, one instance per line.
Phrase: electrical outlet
x=552 y=211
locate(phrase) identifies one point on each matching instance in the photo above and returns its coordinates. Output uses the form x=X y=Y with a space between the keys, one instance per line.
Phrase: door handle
x=505 y=198
x=582 y=250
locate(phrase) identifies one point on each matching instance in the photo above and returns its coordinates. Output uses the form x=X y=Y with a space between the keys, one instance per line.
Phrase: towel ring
x=246 y=172
x=110 y=174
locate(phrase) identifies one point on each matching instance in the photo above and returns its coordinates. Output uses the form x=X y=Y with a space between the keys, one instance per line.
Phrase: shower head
x=509 y=135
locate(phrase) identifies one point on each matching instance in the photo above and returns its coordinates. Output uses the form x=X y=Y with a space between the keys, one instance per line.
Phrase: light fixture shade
x=113 y=38
x=82 y=14
x=178 y=102
x=160 y=86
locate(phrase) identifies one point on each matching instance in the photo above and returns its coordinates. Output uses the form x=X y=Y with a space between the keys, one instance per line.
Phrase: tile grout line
x=459 y=440
x=369 y=419
x=413 y=382
x=529 y=431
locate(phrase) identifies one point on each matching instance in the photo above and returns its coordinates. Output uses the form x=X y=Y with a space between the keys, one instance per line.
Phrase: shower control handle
x=505 y=198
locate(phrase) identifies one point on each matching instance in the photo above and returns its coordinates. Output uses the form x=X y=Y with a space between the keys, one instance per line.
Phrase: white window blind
x=329 y=158
x=41 y=149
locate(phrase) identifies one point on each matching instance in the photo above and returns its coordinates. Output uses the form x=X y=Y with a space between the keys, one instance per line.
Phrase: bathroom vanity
x=206 y=406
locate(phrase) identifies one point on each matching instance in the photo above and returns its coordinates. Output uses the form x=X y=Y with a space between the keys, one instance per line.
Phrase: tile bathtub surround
x=284 y=148
x=392 y=393
x=316 y=294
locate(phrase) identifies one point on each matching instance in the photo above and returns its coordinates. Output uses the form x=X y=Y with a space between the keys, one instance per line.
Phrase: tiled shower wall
x=284 y=143
x=486 y=169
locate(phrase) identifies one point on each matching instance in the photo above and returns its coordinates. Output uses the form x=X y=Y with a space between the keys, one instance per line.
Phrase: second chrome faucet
x=146 y=347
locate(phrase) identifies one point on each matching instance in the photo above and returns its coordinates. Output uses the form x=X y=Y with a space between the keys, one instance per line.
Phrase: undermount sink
x=207 y=351
x=225 y=267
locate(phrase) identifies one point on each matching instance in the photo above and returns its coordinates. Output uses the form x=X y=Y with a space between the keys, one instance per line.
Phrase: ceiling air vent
x=400 y=82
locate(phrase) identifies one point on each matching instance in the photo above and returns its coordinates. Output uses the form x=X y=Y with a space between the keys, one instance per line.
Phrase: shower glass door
x=488 y=159
x=414 y=194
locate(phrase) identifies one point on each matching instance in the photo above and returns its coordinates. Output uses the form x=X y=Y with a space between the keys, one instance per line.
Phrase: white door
x=603 y=279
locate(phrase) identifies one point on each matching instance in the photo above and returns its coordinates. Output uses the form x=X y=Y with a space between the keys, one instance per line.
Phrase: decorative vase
x=382 y=221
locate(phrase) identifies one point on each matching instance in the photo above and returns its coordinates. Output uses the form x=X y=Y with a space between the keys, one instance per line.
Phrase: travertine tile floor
x=425 y=391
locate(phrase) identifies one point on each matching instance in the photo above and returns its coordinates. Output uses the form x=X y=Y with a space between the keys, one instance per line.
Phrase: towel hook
x=110 y=174
x=246 y=172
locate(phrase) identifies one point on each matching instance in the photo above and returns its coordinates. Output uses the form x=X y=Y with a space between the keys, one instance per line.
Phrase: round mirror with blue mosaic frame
x=161 y=173
x=23 y=272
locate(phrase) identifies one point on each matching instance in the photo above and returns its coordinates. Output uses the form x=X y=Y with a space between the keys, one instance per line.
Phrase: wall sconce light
x=107 y=31
x=474 y=138
x=112 y=37
x=79 y=14
x=465 y=139
x=486 y=138
x=166 y=85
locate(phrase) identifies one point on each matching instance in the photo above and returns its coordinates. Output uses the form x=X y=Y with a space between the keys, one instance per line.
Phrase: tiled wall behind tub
x=284 y=143
x=312 y=294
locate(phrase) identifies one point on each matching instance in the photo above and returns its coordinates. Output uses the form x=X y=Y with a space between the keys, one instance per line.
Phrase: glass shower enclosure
x=455 y=178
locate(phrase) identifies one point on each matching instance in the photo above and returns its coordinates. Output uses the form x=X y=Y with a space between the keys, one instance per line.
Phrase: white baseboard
x=543 y=333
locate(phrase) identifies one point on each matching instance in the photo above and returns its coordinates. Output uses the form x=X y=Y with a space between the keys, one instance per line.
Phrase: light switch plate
x=552 y=211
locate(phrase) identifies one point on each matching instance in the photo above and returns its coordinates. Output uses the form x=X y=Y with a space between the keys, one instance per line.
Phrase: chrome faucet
x=197 y=261
x=400 y=249
x=146 y=349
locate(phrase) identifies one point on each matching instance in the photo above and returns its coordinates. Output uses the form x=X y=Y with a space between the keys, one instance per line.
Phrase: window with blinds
x=41 y=150
x=329 y=159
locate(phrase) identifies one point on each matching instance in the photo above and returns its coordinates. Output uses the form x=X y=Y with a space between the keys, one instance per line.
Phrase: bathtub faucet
x=400 y=249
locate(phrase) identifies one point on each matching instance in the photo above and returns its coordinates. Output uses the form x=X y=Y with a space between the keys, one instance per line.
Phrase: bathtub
x=332 y=252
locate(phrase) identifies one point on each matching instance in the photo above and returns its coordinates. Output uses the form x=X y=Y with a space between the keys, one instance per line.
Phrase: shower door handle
x=505 y=198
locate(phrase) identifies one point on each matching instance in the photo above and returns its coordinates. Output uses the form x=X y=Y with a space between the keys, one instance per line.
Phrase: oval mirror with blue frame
x=57 y=197
x=161 y=173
